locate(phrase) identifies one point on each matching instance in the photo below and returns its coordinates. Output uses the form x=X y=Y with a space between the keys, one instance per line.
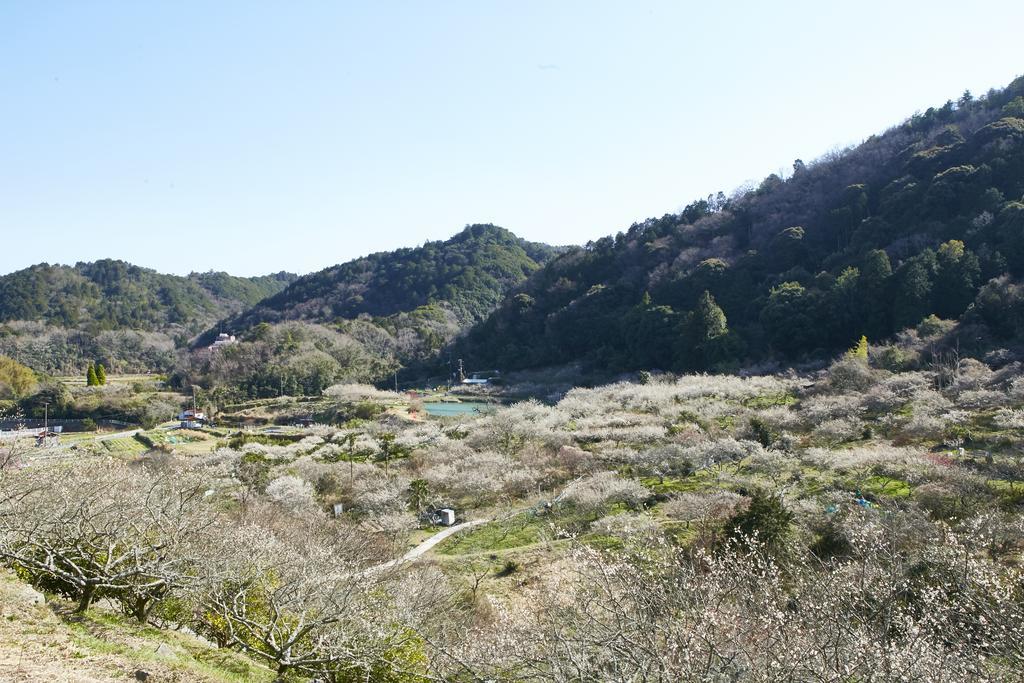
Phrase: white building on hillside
x=223 y=339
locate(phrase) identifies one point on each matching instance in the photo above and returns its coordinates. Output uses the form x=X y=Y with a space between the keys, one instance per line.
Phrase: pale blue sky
x=262 y=136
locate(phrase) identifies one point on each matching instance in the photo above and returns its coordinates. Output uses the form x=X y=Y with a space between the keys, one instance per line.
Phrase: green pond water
x=441 y=409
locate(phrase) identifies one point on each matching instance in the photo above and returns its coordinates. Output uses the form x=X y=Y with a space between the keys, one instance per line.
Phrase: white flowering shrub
x=509 y=430
x=1006 y=418
x=634 y=528
x=355 y=393
x=928 y=612
x=376 y=494
x=1015 y=390
x=972 y=374
x=839 y=430
x=703 y=507
x=711 y=453
x=851 y=374
x=482 y=476
x=817 y=409
x=602 y=489
x=866 y=457
x=292 y=493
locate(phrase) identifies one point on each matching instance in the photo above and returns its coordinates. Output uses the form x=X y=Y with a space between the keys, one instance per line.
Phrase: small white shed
x=445 y=516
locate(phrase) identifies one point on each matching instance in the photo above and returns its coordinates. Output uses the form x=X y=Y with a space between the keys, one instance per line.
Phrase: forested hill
x=926 y=218
x=114 y=295
x=467 y=276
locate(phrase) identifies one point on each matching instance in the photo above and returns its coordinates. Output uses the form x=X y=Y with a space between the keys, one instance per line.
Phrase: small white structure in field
x=192 y=419
x=445 y=517
x=482 y=378
x=338 y=509
x=223 y=339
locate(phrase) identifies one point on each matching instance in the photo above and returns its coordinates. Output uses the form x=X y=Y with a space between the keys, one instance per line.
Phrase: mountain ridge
x=923 y=219
x=466 y=273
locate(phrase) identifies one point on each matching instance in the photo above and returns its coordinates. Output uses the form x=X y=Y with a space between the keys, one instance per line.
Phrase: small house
x=192 y=419
x=482 y=378
x=223 y=340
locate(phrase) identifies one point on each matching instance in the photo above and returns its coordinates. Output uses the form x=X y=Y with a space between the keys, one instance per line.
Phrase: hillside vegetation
x=858 y=516
x=925 y=219
x=362 y=320
x=850 y=524
x=113 y=295
x=467 y=275
x=56 y=319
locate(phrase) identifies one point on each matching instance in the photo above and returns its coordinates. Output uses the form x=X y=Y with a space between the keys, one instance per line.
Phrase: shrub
x=292 y=493
x=851 y=373
x=602 y=489
x=766 y=519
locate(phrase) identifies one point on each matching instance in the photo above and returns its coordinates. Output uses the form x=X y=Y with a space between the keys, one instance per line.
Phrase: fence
x=8 y=428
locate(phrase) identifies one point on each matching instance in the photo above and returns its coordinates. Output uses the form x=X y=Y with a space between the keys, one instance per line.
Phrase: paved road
x=426 y=545
x=437 y=538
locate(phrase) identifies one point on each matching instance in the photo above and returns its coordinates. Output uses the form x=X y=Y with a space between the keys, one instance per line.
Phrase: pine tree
x=101 y=374
x=90 y=376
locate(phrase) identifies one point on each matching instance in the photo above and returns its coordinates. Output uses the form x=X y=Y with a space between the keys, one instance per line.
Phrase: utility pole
x=462 y=373
x=396 y=380
x=44 y=438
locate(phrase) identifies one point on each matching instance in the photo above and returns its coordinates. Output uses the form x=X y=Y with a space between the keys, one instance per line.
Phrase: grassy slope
x=49 y=643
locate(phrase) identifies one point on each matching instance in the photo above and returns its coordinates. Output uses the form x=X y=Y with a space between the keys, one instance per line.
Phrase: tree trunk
x=142 y=608
x=88 y=593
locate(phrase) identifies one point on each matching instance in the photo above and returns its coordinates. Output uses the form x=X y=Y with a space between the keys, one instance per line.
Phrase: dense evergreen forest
x=113 y=295
x=365 y=319
x=925 y=219
x=58 y=318
x=468 y=275
x=922 y=222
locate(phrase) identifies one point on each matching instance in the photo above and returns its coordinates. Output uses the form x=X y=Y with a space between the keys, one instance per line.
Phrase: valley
x=775 y=436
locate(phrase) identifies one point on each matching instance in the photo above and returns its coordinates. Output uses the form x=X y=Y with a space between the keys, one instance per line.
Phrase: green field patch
x=1009 y=492
x=678 y=532
x=702 y=480
x=674 y=484
x=603 y=541
x=126 y=446
x=518 y=531
x=727 y=422
x=881 y=486
x=782 y=398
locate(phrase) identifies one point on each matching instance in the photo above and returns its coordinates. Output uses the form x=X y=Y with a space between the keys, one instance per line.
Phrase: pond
x=445 y=409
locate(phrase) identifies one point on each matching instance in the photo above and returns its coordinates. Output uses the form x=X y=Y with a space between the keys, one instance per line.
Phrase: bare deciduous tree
x=98 y=529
